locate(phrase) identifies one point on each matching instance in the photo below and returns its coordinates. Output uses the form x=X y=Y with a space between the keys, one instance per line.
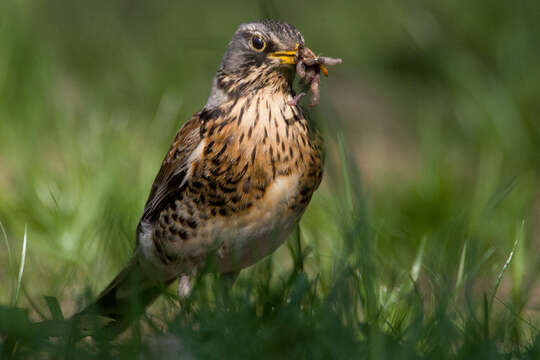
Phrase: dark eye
x=258 y=43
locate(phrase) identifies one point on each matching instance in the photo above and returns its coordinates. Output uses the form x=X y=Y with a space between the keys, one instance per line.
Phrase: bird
x=236 y=180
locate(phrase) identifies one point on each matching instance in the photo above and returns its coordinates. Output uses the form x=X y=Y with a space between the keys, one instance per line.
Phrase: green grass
x=420 y=243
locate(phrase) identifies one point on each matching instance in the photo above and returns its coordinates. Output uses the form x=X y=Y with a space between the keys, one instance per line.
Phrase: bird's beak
x=291 y=57
x=286 y=57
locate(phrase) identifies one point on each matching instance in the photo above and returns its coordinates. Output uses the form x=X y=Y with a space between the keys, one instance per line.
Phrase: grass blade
x=417 y=265
x=461 y=268
x=54 y=308
x=519 y=234
x=8 y=249
x=21 y=268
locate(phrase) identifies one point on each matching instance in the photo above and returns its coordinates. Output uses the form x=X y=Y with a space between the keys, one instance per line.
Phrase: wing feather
x=171 y=178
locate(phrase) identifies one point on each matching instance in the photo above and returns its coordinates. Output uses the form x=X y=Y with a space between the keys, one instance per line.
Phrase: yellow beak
x=290 y=57
x=285 y=57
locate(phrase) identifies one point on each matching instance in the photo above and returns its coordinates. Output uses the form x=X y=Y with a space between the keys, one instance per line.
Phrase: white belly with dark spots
x=237 y=241
x=257 y=234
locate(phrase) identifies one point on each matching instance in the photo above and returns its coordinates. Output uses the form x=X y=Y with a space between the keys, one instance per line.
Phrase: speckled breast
x=251 y=180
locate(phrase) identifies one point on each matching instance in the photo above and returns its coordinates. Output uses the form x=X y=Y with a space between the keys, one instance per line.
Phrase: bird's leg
x=185 y=285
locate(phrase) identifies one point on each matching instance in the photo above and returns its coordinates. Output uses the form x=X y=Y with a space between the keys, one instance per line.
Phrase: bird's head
x=260 y=55
x=262 y=46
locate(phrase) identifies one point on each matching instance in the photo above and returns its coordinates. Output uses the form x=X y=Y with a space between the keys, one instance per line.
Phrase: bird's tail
x=123 y=301
x=125 y=298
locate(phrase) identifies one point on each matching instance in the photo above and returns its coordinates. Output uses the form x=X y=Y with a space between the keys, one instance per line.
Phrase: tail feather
x=126 y=297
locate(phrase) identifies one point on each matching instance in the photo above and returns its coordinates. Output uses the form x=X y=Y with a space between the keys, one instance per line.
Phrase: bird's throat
x=255 y=81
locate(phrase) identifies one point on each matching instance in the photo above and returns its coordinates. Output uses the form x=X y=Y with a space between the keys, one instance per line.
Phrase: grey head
x=253 y=43
x=257 y=51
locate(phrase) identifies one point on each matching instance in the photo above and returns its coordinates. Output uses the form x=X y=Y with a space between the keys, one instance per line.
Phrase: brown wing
x=169 y=182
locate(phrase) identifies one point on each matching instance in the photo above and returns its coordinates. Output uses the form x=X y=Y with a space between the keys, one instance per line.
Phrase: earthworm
x=310 y=61
x=324 y=60
x=297 y=98
x=314 y=88
x=309 y=68
x=310 y=74
x=300 y=68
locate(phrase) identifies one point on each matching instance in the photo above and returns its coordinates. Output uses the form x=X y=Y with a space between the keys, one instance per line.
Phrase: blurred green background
x=431 y=124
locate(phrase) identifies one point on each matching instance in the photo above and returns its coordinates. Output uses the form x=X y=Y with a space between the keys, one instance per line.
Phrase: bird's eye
x=257 y=43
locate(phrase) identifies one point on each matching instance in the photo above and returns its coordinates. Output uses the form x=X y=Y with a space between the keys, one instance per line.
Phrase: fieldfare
x=238 y=175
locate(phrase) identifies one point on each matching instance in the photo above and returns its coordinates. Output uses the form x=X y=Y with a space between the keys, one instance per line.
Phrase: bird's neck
x=227 y=87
